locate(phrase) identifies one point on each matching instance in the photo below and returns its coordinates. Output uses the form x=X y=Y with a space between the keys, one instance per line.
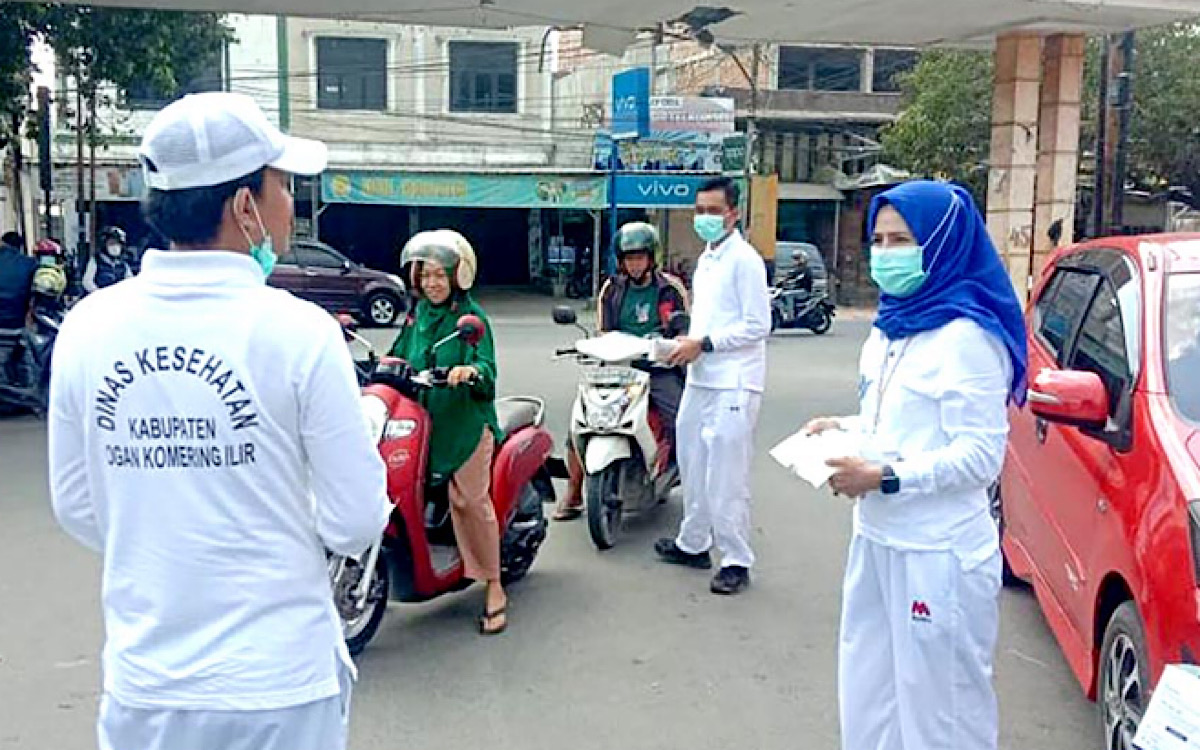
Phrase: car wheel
x=996 y=505
x=1123 y=691
x=382 y=309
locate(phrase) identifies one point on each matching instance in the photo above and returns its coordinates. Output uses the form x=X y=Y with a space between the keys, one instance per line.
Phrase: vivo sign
x=631 y=104
x=657 y=190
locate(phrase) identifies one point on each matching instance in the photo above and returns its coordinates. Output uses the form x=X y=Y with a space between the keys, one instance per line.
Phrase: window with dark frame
x=352 y=73
x=820 y=68
x=483 y=77
x=1058 y=310
x=890 y=66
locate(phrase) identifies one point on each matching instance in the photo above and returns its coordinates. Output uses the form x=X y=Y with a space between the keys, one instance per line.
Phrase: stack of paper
x=806 y=455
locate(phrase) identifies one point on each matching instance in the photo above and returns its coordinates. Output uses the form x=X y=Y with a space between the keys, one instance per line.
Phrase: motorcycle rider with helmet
x=639 y=300
x=16 y=278
x=466 y=430
x=50 y=278
x=800 y=277
x=108 y=265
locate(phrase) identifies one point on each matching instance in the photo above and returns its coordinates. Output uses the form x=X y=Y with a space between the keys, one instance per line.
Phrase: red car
x=1099 y=501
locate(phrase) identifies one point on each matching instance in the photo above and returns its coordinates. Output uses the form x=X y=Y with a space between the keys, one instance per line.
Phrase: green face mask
x=899 y=271
x=263 y=252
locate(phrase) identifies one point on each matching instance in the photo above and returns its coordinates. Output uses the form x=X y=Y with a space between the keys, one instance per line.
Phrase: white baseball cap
x=208 y=139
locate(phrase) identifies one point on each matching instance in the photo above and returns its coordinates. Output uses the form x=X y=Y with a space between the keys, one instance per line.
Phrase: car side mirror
x=1070 y=397
x=678 y=324
x=564 y=315
x=470 y=329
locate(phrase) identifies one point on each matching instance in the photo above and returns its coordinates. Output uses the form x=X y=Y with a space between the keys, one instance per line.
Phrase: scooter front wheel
x=603 y=496
x=359 y=625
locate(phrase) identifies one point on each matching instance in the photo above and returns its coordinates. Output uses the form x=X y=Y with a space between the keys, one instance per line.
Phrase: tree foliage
x=119 y=47
x=944 y=129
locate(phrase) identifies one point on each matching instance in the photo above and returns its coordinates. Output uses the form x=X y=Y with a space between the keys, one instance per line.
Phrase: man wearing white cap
x=206 y=437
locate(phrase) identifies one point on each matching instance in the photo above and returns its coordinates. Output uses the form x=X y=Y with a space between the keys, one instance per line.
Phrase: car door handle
x=309 y=272
x=1041 y=429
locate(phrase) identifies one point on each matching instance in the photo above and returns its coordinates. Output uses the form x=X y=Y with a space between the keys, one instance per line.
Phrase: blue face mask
x=899 y=271
x=709 y=227
x=262 y=252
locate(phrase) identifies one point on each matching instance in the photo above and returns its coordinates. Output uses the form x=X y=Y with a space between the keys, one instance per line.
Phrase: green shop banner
x=464 y=190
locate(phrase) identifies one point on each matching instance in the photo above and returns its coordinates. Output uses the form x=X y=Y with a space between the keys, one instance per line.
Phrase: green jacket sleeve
x=400 y=345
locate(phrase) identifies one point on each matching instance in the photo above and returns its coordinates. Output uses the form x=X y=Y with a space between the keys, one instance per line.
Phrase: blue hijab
x=966 y=277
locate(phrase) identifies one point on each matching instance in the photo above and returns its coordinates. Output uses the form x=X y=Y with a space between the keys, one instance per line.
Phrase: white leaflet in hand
x=661 y=350
x=1173 y=719
x=806 y=455
x=614 y=347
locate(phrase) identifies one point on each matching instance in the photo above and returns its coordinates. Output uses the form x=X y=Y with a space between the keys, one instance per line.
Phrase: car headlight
x=375 y=416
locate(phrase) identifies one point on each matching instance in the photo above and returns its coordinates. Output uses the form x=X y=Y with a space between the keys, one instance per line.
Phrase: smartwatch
x=891 y=483
x=706 y=345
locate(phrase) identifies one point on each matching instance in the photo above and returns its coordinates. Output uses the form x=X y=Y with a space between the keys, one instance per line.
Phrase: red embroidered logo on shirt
x=920 y=611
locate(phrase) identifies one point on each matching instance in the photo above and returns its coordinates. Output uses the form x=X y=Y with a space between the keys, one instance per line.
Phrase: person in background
x=110 y=264
x=50 y=279
x=947 y=355
x=640 y=301
x=726 y=347
x=16 y=281
x=206 y=438
x=466 y=430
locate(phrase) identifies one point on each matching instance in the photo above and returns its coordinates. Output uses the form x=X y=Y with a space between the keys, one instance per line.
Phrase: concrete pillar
x=1013 y=171
x=1058 y=143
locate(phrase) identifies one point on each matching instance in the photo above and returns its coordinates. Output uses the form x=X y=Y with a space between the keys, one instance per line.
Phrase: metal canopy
x=881 y=22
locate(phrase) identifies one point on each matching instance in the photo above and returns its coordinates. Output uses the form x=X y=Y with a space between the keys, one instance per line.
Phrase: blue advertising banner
x=643 y=190
x=464 y=190
x=631 y=104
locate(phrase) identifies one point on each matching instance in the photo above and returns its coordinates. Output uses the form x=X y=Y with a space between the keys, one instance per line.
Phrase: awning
x=883 y=22
x=808 y=191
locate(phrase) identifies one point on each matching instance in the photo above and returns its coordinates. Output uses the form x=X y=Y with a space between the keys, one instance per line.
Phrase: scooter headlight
x=605 y=414
x=375 y=416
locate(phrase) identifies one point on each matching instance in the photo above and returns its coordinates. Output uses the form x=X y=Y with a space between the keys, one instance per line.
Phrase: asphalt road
x=605 y=650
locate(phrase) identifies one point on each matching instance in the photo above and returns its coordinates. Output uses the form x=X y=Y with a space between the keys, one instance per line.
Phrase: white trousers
x=918 y=635
x=716 y=446
x=321 y=725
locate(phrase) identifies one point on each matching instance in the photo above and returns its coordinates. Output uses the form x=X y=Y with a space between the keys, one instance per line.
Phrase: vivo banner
x=631 y=104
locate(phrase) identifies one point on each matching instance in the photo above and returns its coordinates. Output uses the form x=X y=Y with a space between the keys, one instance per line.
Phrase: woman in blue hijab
x=920 y=610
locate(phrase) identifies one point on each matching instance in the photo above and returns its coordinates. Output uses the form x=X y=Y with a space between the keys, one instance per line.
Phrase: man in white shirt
x=726 y=348
x=206 y=437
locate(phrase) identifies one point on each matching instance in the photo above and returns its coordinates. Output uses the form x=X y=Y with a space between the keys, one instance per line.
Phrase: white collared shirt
x=942 y=425
x=206 y=435
x=732 y=306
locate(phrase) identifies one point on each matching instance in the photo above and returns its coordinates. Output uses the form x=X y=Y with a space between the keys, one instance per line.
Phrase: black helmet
x=638 y=237
x=113 y=233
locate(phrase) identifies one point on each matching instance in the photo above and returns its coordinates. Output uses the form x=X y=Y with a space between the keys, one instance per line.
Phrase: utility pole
x=18 y=164
x=1112 y=133
x=81 y=247
x=1124 y=111
x=92 y=170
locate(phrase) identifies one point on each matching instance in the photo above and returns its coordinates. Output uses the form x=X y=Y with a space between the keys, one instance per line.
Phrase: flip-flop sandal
x=569 y=513
x=488 y=617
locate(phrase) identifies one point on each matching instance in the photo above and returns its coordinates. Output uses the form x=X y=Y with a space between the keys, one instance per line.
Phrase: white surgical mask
x=114 y=249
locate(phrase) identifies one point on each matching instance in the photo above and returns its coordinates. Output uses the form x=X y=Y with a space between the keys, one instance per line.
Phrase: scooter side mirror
x=678 y=324
x=470 y=329
x=564 y=315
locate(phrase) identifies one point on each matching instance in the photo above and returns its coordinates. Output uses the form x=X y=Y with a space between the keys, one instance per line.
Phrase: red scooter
x=417 y=559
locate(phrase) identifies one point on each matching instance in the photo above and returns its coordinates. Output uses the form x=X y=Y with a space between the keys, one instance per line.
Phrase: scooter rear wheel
x=603 y=497
x=820 y=321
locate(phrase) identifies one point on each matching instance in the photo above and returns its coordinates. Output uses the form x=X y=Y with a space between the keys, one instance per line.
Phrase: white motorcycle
x=611 y=426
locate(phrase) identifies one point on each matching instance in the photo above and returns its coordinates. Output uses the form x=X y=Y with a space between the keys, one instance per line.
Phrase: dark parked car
x=316 y=272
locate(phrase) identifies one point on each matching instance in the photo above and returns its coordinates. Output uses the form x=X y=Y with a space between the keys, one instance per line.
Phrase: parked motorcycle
x=417 y=559
x=796 y=308
x=25 y=355
x=613 y=429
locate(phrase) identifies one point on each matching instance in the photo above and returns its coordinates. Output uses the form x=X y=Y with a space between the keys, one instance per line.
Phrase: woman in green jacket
x=465 y=428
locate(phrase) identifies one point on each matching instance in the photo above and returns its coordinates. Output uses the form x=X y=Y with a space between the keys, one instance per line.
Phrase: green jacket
x=459 y=414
